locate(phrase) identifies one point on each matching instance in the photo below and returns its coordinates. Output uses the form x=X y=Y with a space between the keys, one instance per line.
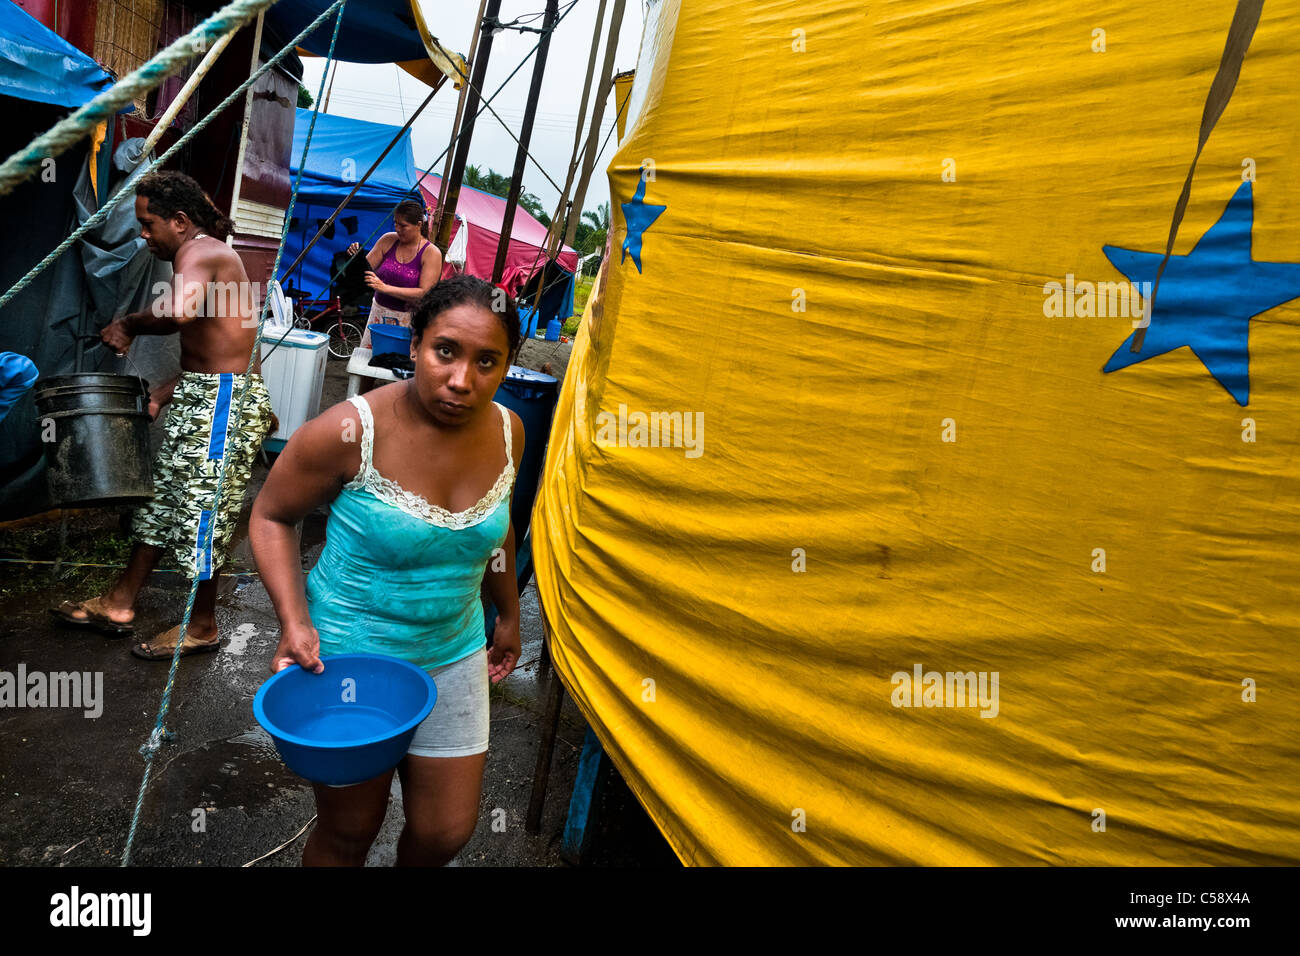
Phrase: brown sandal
x=162 y=647
x=96 y=617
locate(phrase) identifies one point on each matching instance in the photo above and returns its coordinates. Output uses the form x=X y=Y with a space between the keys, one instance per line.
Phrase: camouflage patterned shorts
x=203 y=426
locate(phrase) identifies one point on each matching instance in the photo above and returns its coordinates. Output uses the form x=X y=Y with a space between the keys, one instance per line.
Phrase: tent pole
x=597 y=113
x=455 y=126
x=467 y=132
x=525 y=134
x=565 y=208
x=325 y=107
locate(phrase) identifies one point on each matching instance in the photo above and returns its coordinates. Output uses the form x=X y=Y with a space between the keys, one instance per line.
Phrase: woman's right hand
x=354 y=248
x=298 y=645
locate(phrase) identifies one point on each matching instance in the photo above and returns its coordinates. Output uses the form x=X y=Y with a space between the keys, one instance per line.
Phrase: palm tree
x=473 y=177
x=600 y=218
x=599 y=227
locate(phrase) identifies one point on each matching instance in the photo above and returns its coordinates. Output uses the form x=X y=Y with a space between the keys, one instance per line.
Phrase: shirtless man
x=210 y=306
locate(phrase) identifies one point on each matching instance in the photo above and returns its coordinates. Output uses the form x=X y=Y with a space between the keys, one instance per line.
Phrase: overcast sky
x=385 y=94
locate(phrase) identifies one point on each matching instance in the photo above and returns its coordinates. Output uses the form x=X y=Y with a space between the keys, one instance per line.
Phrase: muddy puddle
x=239 y=772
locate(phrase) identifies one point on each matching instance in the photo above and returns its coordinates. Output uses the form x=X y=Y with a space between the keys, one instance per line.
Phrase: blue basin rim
x=259 y=710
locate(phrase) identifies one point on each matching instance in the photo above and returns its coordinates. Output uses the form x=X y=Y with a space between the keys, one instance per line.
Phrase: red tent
x=483 y=213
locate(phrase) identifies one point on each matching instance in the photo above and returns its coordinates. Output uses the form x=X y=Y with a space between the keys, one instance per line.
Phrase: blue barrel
x=532 y=396
x=527 y=322
x=553 y=329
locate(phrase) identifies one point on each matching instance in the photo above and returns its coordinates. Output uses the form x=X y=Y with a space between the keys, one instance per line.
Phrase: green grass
x=92 y=539
x=581 y=292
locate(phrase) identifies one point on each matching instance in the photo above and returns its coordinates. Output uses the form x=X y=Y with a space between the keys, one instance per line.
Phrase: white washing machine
x=294 y=371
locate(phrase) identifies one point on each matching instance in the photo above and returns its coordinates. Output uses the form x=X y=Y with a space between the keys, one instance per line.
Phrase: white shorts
x=458 y=724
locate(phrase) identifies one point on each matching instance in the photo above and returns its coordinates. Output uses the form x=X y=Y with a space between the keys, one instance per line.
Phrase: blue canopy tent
x=341 y=151
x=37 y=64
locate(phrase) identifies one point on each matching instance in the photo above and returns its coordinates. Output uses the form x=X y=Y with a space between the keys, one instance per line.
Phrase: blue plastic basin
x=389 y=338
x=349 y=723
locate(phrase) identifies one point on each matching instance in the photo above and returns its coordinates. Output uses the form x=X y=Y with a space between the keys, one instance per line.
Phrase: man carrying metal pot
x=210 y=305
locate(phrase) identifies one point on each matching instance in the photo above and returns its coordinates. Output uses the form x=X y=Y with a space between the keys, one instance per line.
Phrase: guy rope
x=159 y=733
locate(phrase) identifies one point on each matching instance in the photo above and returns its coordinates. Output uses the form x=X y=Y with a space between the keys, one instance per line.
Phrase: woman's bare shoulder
x=339 y=413
x=381 y=400
x=333 y=436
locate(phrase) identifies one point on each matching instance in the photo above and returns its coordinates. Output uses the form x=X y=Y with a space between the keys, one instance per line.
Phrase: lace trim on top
x=417 y=506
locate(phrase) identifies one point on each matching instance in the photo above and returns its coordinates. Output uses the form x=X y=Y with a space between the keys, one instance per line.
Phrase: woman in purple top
x=404 y=266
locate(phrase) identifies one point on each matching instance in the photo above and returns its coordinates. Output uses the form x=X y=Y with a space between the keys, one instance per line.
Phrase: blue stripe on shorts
x=221 y=417
x=203 y=547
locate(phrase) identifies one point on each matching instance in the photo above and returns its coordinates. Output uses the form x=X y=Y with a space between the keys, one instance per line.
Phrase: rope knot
x=155 y=742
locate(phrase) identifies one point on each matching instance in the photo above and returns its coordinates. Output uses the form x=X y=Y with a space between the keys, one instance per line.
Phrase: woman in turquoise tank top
x=418 y=477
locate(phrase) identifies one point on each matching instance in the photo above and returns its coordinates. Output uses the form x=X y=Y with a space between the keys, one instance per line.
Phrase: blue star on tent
x=639 y=217
x=1207 y=298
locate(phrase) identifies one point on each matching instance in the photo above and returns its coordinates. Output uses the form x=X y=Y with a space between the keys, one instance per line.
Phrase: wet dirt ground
x=219 y=794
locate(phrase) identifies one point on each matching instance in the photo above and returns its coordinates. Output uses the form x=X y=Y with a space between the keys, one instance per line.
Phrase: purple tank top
x=404 y=275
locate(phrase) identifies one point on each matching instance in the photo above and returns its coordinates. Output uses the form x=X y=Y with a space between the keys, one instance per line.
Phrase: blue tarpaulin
x=38 y=64
x=341 y=151
x=373 y=31
x=17 y=374
x=557 y=293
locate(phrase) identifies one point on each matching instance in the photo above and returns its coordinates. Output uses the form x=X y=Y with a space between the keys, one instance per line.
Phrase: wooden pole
x=455 y=126
x=597 y=113
x=325 y=107
x=565 y=208
x=467 y=130
x=525 y=134
x=550 y=728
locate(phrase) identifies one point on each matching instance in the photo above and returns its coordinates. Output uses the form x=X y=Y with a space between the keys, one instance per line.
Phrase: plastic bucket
x=96 y=431
x=349 y=723
x=389 y=338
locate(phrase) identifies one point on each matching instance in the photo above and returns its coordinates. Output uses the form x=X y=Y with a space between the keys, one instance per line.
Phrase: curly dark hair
x=170 y=192
x=468 y=290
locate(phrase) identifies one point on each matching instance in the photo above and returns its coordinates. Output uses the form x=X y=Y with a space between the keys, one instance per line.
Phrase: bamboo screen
x=127 y=33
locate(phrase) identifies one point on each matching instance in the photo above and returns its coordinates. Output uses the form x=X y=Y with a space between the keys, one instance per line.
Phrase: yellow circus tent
x=886 y=260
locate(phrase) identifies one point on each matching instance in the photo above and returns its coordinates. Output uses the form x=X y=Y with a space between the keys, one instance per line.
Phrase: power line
x=371 y=106
x=370 y=98
x=551 y=123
